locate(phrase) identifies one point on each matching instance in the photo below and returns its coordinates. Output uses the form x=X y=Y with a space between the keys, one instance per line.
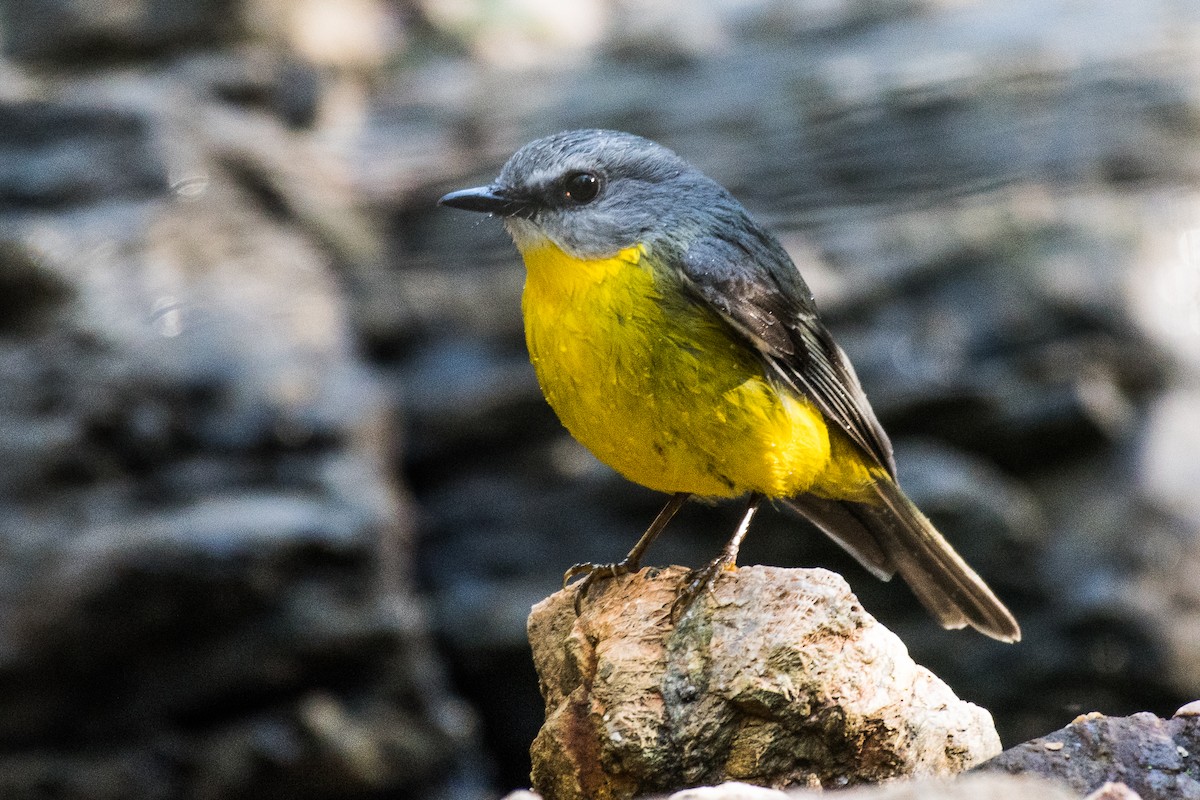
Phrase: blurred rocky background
x=278 y=488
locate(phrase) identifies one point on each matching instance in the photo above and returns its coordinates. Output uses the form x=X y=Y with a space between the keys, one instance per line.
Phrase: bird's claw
x=592 y=573
x=701 y=580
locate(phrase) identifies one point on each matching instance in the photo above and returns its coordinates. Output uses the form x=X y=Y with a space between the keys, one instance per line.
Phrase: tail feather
x=837 y=520
x=894 y=536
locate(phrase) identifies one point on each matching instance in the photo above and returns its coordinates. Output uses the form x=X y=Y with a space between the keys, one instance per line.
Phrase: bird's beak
x=487 y=199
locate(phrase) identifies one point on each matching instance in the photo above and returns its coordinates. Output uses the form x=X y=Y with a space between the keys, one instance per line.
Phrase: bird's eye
x=581 y=188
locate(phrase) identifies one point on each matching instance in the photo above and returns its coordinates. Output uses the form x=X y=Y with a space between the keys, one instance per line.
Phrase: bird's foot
x=595 y=572
x=701 y=581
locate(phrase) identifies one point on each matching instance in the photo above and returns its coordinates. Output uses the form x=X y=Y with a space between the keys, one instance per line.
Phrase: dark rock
x=60 y=154
x=75 y=31
x=205 y=589
x=1152 y=756
x=258 y=79
x=29 y=295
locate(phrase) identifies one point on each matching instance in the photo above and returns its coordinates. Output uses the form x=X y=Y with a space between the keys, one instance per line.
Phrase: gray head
x=596 y=192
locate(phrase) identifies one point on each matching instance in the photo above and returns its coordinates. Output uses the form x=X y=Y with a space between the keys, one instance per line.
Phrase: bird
x=676 y=340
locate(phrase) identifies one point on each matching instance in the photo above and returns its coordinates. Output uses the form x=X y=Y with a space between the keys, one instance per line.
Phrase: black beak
x=488 y=199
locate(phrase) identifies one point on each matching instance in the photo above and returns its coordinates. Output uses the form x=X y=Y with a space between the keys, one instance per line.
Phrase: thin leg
x=702 y=579
x=633 y=561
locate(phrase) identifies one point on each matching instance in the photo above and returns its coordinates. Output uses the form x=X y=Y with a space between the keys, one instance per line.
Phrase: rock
x=779 y=679
x=1155 y=759
x=54 y=154
x=522 y=33
x=70 y=30
x=965 y=787
x=1114 y=791
x=732 y=790
x=204 y=588
x=259 y=79
x=1169 y=470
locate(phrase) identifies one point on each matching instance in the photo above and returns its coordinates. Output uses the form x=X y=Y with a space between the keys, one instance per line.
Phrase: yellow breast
x=657 y=388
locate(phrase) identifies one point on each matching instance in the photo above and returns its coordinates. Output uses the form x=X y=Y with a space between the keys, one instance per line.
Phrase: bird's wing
x=754 y=286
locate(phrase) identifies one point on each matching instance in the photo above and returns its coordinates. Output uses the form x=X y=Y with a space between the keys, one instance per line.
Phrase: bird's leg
x=633 y=561
x=702 y=579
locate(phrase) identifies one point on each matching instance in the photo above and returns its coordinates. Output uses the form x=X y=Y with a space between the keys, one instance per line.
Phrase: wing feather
x=753 y=285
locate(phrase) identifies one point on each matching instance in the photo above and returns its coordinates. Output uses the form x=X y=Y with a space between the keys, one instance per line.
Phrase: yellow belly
x=661 y=392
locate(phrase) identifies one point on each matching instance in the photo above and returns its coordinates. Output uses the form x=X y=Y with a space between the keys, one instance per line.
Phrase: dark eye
x=581 y=188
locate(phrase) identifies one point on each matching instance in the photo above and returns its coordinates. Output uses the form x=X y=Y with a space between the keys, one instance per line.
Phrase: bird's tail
x=891 y=536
